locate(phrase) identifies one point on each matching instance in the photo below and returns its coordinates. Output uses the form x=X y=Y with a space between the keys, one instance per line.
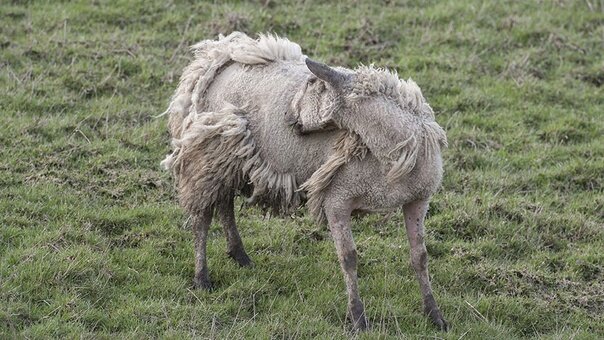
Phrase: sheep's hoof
x=204 y=284
x=361 y=325
x=358 y=319
x=437 y=318
x=240 y=257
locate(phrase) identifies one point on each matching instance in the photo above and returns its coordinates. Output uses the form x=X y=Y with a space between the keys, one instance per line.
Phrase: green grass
x=92 y=243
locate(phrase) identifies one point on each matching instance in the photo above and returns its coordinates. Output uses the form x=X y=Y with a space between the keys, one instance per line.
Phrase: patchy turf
x=92 y=243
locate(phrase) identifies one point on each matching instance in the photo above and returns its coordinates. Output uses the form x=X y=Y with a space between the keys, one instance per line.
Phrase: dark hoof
x=240 y=257
x=357 y=318
x=433 y=312
x=361 y=324
x=437 y=319
x=204 y=284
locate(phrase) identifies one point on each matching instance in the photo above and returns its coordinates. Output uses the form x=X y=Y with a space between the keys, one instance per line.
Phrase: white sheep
x=257 y=118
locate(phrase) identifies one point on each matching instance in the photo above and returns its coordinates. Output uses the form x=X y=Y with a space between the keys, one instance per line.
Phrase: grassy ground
x=92 y=243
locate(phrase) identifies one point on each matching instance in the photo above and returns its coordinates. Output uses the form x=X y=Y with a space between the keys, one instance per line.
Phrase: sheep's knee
x=419 y=260
x=349 y=260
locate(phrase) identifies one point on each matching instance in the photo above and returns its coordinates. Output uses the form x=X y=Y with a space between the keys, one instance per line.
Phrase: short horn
x=326 y=73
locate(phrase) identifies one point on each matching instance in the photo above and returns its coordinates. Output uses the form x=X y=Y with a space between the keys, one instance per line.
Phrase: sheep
x=257 y=118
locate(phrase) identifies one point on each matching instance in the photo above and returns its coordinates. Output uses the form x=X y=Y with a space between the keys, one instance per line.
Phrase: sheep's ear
x=330 y=75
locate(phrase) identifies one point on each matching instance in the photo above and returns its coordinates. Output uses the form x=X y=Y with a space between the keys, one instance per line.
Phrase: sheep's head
x=391 y=115
x=366 y=90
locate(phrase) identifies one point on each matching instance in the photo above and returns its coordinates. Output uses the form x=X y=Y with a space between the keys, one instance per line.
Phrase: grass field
x=93 y=244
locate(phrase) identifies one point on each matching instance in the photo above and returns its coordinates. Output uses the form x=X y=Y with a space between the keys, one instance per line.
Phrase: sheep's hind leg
x=235 y=250
x=339 y=224
x=201 y=224
x=414 y=221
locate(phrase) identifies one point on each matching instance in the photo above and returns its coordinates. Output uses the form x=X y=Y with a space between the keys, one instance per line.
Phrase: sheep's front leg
x=235 y=249
x=201 y=224
x=414 y=221
x=339 y=224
